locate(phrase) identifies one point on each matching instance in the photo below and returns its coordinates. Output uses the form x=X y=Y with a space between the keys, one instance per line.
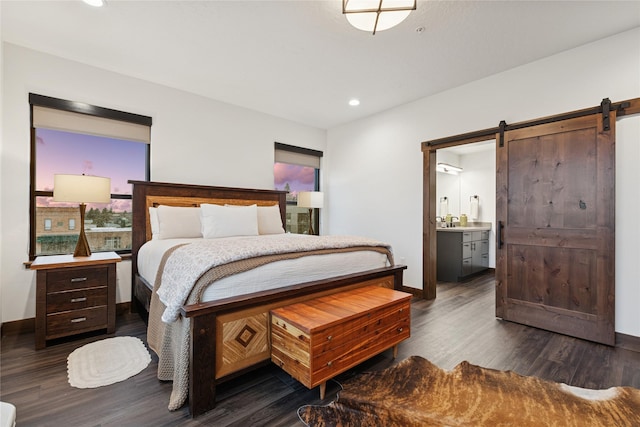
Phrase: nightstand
x=74 y=295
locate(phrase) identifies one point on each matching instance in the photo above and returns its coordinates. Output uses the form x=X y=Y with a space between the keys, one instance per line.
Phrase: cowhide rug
x=417 y=393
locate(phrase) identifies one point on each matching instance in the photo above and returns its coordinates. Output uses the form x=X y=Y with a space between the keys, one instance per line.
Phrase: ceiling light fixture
x=94 y=3
x=354 y=102
x=377 y=15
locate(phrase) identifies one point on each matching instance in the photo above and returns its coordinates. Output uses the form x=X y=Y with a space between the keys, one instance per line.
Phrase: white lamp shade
x=310 y=199
x=362 y=13
x=81 y=189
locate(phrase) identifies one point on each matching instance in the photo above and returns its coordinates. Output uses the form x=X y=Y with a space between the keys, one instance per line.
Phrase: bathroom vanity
x=462 y=251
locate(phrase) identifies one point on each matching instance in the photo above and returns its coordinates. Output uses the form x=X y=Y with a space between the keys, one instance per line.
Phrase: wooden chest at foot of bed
x=318 y=339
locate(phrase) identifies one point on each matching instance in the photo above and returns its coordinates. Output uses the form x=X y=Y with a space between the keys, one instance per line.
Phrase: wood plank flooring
x=459 y=325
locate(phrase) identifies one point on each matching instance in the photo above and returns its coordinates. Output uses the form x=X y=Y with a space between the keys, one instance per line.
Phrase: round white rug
x=106 y=362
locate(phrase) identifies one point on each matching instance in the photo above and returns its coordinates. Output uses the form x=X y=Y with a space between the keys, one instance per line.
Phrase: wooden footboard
x=231 y=336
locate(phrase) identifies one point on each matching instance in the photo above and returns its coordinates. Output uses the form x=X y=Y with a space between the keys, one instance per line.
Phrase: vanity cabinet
x=461 y=253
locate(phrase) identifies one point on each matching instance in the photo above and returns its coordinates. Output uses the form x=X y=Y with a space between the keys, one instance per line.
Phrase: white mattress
x=270 y=276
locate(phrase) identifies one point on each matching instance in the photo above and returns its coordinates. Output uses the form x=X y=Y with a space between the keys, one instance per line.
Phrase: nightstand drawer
x=67 y=322
x=76 y=278
x=74 y=300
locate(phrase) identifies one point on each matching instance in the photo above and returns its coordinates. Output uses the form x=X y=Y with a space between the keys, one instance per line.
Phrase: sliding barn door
x=555 y=220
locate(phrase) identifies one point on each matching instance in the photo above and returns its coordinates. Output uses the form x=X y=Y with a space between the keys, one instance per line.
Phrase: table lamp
x=81 y=189
x=311 y=200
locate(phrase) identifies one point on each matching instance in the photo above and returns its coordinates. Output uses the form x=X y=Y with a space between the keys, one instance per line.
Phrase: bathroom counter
x=462 y=229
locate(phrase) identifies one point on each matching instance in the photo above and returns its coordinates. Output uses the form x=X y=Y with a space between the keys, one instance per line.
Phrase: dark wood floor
x=459 y=325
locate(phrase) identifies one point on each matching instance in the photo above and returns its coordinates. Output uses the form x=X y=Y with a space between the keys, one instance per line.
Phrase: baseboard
x=24 y=326
x=18 y=327
x=123 y=308
x=413 y=291
x=628 y=342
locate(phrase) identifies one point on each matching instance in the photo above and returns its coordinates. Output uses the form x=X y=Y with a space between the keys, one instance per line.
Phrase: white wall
x=372 y=169
x=194 y=140
x=374 y=173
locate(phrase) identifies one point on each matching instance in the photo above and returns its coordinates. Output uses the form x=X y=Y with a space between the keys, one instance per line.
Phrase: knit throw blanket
x=170 y=340
x=417 y=393
x=189 y=262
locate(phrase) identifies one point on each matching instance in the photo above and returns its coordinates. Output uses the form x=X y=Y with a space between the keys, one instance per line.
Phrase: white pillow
x=176 y=222
x=153 y=220
x=269 y=220
x=227 y=221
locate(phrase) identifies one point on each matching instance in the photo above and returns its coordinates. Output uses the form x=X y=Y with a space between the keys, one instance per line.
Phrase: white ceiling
x=300 y=59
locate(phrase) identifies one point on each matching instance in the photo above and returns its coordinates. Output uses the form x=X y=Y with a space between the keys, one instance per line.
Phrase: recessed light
x=94 y=3
x=354 y=102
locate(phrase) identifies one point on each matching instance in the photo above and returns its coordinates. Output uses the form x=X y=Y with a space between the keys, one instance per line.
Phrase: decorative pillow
x=269 y=220
x=227 y=221
x=176 y=222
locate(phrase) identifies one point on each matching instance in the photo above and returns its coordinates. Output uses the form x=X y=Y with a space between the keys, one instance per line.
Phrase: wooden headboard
x=147 y=194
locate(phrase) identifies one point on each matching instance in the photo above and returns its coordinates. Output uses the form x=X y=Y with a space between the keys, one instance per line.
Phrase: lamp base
x=311 y=232
x=82 y=247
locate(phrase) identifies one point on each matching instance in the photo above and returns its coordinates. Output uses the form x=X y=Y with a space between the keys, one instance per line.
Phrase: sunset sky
x=59 y=152
x=300 y=178
x=72 y=153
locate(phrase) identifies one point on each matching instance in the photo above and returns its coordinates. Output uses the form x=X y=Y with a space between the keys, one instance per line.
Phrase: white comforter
x=189 y=262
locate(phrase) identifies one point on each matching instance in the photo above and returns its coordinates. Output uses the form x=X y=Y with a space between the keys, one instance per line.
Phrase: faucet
x=441 y=221
x=450 y=224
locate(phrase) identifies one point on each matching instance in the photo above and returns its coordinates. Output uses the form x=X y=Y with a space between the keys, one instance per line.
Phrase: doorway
x=465 y=191
x=543 y=289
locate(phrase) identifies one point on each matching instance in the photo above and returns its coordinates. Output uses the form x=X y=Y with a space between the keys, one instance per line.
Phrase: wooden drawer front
x=358 y=329
x=360 y=345
x=76 y=278
x=290 y=350
x=68 y=322
x=74 y=300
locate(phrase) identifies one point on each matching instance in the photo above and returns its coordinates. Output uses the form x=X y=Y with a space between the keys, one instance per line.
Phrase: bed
x=228 y=335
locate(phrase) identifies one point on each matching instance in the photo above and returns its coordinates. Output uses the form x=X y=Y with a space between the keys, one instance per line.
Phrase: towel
x=474 y=208
x=444 y=207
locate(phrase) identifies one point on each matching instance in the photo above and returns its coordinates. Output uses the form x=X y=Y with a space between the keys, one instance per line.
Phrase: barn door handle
x=500 y=231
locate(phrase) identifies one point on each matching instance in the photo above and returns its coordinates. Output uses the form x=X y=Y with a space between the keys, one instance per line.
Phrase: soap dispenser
x=463 y=220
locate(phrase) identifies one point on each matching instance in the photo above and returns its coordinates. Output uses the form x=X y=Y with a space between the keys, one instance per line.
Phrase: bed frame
x=229 y=337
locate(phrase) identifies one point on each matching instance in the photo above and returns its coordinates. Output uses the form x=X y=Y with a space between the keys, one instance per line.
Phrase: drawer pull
x=400 y=329
x=78 y=299
x=329 y=337
x=401 y=310
x=329 y=363
x=78 y=279
x=78 y=320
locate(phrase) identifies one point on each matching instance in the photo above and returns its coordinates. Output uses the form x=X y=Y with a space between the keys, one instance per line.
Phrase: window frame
x=80 y=108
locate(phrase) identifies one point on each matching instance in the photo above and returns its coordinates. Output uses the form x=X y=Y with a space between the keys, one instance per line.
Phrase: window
x=75 y=138
x=112 y=242
x=297 y=169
